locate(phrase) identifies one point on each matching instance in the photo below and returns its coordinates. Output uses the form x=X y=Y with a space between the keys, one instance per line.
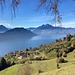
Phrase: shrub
x=44 y=57
x=37 y=58
x=57 y=50
x=64 y=54
x=21 y=61
x=73 y=45
x=68 y=38
x=70 y=49
x=62 y=60
x=58 y=55
x=66 y=50
x=40 y=71
x=27 y=70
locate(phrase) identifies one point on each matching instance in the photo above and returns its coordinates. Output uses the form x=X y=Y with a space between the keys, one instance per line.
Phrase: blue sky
x=28 y=16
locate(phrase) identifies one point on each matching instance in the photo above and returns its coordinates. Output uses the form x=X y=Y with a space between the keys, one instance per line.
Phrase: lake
x=12 y=45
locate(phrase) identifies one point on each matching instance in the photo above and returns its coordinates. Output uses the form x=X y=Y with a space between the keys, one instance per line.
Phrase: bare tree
x=49 y=5
x=14 y=4
x=52 y=6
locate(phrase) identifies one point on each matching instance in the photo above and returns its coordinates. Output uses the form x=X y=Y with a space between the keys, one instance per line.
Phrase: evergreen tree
x=3 y=64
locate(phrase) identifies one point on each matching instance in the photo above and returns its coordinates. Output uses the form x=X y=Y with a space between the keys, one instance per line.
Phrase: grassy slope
x=66 y=68
x=11 y=70
x=48 y=67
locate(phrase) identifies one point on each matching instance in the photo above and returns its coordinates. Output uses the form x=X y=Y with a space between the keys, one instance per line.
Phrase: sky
x=28 y=16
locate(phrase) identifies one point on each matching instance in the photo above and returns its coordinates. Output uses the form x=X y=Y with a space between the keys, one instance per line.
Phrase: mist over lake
x=21 y=44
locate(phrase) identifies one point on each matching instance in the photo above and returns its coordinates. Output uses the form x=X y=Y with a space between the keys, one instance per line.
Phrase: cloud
x=7 y=25
x=69 y=24
x=39 y=18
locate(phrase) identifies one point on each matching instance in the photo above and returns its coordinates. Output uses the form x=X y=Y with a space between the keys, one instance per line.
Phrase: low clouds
x=69 y=24
x=7 y=25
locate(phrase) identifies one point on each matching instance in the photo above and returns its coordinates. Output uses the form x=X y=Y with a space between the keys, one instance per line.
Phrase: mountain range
x=43 y=29
x=16 y=34
x=49 y=29
x=21 y=38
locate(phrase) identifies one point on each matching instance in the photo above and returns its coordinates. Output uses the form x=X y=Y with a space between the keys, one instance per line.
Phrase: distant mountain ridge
x=48 y=29
x=47 y=26
x=43 y=29
x=3 y=29
x=18 y=30
x=16 y=33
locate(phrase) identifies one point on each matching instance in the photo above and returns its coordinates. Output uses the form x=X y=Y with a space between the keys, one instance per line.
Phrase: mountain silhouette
x=49 y=29
x=16 y=34
x=47 y=26
x=3 y=29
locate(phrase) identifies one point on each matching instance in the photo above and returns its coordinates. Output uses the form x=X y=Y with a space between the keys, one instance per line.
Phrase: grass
x=70 y=70
x=66 y=68
x=48 y=67
x=11 y=70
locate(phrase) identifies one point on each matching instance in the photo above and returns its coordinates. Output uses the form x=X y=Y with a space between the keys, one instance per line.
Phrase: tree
x=3 y=64
x=48 y=5
x=53 y=7
x=14 y=4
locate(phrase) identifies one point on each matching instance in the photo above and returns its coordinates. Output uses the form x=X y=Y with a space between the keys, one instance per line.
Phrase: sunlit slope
x=48 y=67
x=11 y=70
x=66 y=68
